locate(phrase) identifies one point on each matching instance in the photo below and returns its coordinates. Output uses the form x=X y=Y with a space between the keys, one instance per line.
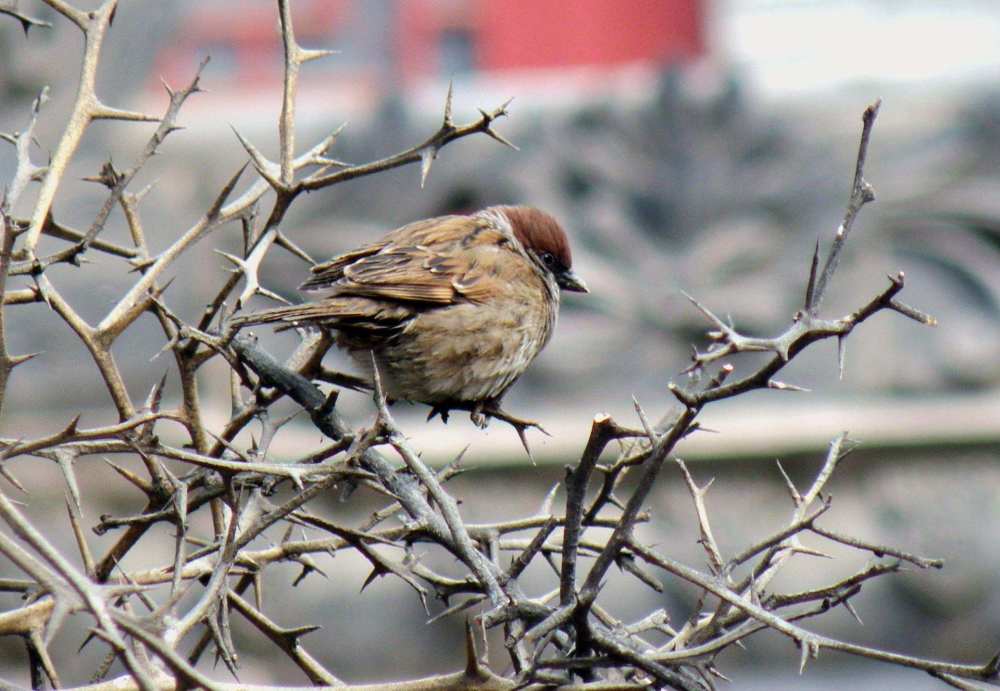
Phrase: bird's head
x=542 y=236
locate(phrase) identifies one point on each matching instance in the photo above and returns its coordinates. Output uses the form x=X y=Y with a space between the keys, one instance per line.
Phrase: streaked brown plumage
x=454 y=308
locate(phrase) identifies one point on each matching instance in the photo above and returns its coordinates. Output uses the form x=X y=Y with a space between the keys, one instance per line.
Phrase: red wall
x=505 y=34
x=557 y=33
x=519 y=34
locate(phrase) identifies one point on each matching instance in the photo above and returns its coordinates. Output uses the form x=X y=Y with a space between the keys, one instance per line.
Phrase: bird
x=451 y=310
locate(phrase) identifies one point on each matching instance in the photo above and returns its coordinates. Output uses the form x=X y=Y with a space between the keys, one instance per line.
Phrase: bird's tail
x=288 y=316
x=357 y=315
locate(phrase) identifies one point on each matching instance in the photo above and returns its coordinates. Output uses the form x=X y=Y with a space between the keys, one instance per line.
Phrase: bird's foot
x=442 y=410
x=479 y=419
x=482 y=412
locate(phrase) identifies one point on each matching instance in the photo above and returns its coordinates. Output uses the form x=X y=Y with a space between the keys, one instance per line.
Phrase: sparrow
x=451 y=309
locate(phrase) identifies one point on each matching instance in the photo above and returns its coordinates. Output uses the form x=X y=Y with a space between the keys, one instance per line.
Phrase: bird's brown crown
x=539 y=231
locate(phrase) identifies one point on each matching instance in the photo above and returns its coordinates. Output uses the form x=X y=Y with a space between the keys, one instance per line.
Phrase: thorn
x=810 y=649
x=5 y=472
x=427 y=157
x=520 y=425
x=281 y=240
x=850 y=608
x=500 y=138
x=240 y=263
x=546 y=507
x=264 y=167
x=472 y=666
x=300 y=631
x=782 y=386
x=330 y=162
x=26 y=21
x=646 y=427
x=792 y=490
x=992 y=667
x=309 y=54
x=71 y=427
x=216 y=207
x=457 y=462
x=156 y=293
x=841 y=351
x=811 y=285
x=913 y=313
x=809 y=552
x=166 y=86
x=258 y=589
x=180 y=500
x=8 y=451
x=271 y=294
x=522 y=435
x=448 y=122
x=15 y=360
x=377 y=391
x=65 y=461
x=375 y=574
x=704 y=310
x=168 y=346
x=156 y=394
x=139 y=482
x=42 y=286
x=141 y=263
x=103 y=112
x=714 y=671
x=91 y=635
x=327 y=142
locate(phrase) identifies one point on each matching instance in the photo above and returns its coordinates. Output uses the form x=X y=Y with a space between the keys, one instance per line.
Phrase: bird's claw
x=478 y=418
x=481 y=413
x=520 y=425
x=443 y=411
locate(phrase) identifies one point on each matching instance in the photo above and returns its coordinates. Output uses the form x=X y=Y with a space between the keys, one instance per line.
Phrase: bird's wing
x=435 y=262
x=329 y=272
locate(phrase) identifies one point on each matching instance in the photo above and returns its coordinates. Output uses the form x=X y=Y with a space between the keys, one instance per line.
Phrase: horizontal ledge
x=753 y=428
x=763 y=425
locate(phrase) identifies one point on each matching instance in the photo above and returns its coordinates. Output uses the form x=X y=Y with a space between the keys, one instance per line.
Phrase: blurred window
x=457 y=51
x=223 y=54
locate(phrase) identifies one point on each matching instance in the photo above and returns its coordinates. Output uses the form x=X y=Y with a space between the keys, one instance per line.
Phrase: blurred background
x=688 y=145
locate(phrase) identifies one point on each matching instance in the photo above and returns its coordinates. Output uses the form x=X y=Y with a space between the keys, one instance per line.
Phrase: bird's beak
x=568 y=280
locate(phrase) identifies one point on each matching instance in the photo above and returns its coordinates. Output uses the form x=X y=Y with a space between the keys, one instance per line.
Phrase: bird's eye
x=548 y=259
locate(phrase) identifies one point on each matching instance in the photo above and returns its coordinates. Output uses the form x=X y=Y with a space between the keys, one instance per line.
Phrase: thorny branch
x=565 y=636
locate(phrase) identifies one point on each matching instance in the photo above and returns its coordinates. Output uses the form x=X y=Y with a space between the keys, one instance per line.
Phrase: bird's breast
x=468 y=351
